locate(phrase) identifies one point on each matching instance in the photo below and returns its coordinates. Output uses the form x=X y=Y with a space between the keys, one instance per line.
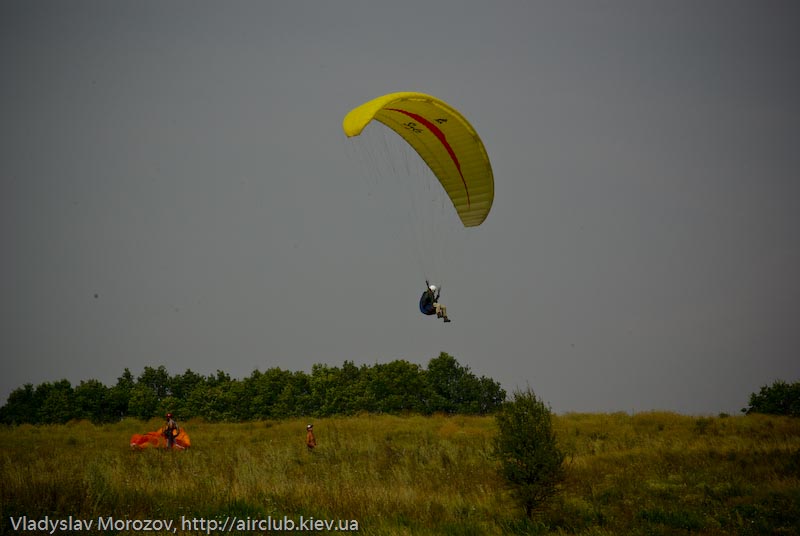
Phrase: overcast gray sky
x=177 y=190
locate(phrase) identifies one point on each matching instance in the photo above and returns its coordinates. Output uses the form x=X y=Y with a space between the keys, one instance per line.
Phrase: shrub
x=780 y=398
x=530 y=460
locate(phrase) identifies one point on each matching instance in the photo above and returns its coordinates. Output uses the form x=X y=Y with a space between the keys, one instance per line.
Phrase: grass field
x=650 y=473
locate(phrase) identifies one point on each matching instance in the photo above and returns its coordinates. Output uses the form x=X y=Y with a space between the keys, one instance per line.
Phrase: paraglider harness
x=428 y=299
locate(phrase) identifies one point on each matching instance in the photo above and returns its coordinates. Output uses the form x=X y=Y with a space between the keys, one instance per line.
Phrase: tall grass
x=653 y=473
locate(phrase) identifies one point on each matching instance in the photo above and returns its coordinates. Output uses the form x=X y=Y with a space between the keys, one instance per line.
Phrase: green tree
x=397 y=386
x=455 y=389
x=181 y=385
x=780 y=398
x=490 y=395
x=22 y=406
x=446 y=379
x=295 y=399
x=143 y=402
x=155 y=379
x=93 y=402
x=119 y=396
x=354 y=380
x=530 y=460
x=326 y=389
x=56 y=405
x=267 y=389
x=180 y=388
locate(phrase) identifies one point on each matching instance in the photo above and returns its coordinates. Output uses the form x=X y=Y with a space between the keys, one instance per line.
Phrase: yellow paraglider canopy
x=444 y=139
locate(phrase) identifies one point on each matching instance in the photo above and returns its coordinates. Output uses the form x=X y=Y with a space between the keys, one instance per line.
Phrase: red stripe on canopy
x=442 y=138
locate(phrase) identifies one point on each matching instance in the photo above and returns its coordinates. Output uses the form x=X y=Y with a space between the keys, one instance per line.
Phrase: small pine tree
x=530 y=460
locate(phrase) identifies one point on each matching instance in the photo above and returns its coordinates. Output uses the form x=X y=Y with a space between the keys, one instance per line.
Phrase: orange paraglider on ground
x=156 y=439
x=168 y=436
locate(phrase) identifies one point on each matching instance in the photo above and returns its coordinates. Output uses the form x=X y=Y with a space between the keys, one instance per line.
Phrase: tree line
x=395 y=387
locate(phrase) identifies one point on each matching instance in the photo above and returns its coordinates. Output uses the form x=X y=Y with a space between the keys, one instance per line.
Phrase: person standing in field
x=170 y=431
x=311 y=441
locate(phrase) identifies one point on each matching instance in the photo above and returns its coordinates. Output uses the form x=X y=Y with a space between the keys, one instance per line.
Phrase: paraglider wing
x=157 y=439
x=182 y=440
x=150 y=439
x=444 y=139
